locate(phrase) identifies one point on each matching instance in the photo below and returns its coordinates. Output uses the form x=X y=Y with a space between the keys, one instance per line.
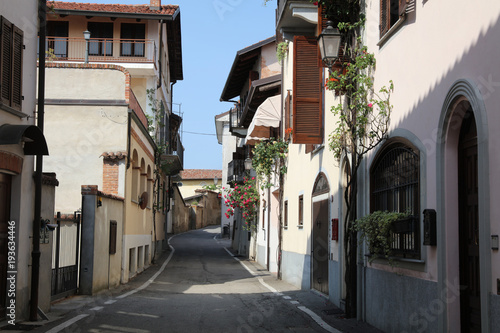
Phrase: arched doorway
x=320 y=249
x=464 y=231
x=469 y=266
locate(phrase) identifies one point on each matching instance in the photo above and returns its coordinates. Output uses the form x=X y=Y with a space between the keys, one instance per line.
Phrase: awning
x=267 y=115
x=31 y=135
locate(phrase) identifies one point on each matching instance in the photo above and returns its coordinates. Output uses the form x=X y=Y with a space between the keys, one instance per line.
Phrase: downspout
x=35 y=254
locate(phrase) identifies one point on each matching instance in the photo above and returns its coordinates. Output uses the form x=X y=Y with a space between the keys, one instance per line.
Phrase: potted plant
x=377 y=228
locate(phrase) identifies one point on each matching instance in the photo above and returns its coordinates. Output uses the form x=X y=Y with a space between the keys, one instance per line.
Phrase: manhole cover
x=19 y=327
x=330 y=312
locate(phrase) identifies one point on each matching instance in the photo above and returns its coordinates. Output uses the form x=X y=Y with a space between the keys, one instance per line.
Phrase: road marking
x=97 y=308
x=111 y=301
x=148 y=282
x=318 y=320
x=287 y=297
x=311 y=314
x=66 y=324
x=138 y=314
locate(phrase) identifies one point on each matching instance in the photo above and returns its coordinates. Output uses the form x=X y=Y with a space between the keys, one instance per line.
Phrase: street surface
x=202 y=288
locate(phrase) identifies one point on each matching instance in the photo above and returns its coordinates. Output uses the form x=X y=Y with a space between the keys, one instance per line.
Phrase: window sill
x=300 y=226
x=391 y=31
x=13 y=111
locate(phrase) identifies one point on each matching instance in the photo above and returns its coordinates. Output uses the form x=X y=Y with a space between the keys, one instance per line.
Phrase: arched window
x=395 y=187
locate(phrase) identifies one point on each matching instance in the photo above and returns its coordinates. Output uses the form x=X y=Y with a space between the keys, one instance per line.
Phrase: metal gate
x=65 y=255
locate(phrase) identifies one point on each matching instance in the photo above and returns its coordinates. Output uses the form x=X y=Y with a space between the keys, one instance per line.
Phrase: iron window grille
x=395 y=183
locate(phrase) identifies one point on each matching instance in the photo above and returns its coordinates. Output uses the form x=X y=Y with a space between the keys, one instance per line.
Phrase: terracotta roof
x=114 y=8
x=114 y=156
x=200 y=174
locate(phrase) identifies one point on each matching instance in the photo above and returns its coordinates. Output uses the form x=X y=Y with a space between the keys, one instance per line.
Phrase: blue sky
x=212 y=32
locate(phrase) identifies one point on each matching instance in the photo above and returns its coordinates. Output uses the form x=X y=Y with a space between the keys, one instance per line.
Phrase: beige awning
x=267 y=116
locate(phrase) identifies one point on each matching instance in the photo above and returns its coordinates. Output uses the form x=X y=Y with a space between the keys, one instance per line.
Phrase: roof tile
x=94 y=7
x=200 y=174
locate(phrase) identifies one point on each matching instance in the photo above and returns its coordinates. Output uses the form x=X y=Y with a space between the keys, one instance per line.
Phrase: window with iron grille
x=301 y=210
x=395 y=183
x=11 y=65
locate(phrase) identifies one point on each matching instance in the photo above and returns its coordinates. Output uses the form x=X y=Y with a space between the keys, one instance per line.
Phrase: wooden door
x=320 y=246
x=5 y=184
x=470 y=297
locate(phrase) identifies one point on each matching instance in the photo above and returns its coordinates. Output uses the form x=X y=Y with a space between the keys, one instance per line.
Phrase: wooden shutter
x=385 y=16
x=307 y=86
x=309 y=148
x=17 y=69
x=6 y=61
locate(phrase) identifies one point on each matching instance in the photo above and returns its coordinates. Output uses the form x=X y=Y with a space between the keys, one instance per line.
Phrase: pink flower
x=370 y=105
x=253 y=178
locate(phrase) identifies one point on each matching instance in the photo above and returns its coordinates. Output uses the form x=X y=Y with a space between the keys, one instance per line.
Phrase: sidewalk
x=320 y=306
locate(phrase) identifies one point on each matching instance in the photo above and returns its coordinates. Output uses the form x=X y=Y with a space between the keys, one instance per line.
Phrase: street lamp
x=248 y=163
x=329 y=44
x=86 y=35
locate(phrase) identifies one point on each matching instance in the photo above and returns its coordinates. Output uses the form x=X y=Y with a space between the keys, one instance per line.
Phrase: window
x=390 y=12
x=101 y=35
x=264 y=205
x=133 y=37
x=395 y=183
x=57 y=47
x=301 y=210
x=11 y=64
x=307 y=92
x=285 y=215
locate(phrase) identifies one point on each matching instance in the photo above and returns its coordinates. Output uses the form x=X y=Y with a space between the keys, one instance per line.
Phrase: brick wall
x=110 y=176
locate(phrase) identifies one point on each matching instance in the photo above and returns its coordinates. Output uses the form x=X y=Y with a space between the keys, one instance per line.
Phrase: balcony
x=296 y=15
x=236 y=171
x=172 y=160
x=68 y=49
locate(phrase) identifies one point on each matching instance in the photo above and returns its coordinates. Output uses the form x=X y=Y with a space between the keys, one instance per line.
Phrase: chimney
x=155 y=4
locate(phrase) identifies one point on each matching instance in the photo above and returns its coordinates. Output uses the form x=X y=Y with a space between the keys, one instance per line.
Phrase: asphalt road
x=201 y=289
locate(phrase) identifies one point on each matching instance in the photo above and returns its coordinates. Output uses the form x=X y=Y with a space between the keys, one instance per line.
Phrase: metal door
x=320 y=246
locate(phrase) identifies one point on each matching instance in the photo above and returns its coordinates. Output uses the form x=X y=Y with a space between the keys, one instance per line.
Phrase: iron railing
x=100 y=49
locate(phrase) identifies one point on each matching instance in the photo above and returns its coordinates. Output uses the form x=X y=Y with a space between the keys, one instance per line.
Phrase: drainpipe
x=35 y=254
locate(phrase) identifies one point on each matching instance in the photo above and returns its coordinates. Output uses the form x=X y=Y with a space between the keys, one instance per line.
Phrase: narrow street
x=203 y=288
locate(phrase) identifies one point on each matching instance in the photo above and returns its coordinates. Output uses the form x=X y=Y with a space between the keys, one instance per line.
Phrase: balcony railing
x=100 y=50
x=236 y=171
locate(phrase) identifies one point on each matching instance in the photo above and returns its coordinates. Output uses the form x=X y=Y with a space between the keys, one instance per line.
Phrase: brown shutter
x=17 y=69
x=385 y=16
x=287 y=115
x=309 y=148
x=6 y=61
x=322 y=19
x=307 y=86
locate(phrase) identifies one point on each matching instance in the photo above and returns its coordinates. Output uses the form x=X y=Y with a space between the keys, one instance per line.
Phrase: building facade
x=20 y=140
x=110 y=117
